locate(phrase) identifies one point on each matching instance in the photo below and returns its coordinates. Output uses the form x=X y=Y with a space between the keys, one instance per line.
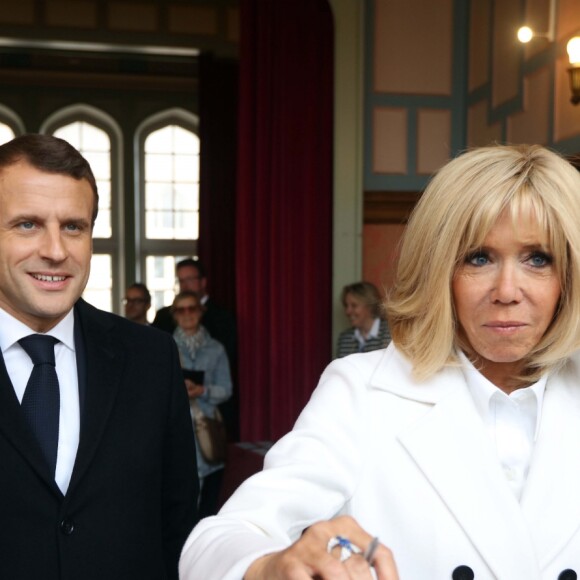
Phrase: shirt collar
x=373 y=333
x=483 y=391
x=13 y=330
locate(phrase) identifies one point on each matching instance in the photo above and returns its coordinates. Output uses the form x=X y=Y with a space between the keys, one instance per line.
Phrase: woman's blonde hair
x=367 y=293
x=182 y=295
x=459 y=207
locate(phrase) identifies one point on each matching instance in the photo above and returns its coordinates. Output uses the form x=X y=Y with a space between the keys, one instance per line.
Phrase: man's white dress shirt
x=19 y=366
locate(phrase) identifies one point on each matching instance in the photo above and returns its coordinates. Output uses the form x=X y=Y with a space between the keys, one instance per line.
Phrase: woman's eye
x=478 y=259
x=540 y=259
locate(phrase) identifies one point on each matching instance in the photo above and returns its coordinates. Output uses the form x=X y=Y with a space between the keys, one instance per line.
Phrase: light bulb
x=573 y=48
x=525 y=34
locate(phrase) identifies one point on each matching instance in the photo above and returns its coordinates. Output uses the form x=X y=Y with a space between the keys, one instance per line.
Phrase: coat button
x=67 y=527
x=567 y=575
x=462 y=573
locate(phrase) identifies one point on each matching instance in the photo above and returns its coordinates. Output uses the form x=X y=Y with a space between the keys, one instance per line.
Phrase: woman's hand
x=193 y=390
x=308 y=557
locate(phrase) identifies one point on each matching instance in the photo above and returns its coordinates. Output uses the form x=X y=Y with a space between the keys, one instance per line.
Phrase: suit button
x=462 y=573
x=567 y=575
x=67 y=527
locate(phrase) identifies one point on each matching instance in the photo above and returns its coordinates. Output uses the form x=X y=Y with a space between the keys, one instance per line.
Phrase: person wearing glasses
x=210 y=385
x=220 y=322
x=137 y=302
x=191 y=276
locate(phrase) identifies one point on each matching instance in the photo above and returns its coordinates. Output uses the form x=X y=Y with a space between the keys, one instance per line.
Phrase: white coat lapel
x=551 y=498
x=452 y=449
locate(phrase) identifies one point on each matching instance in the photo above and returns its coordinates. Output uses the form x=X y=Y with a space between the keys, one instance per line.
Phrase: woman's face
x=187 y=313
x=358 y=313
x=505 y=296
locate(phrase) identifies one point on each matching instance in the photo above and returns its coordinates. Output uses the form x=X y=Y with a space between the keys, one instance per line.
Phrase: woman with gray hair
x=208 y=383
x=453 y=453
x=369 y=330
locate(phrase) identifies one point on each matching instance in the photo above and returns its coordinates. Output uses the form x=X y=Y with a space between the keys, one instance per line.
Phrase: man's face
x=136 y=305
x=190 y=280
x=45 y=243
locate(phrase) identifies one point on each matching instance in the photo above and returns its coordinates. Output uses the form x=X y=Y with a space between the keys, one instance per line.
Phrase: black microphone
x=464 y=573
x=568 y=574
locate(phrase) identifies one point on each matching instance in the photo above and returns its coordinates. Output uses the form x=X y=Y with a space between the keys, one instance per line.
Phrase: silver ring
x=346 y=548
x=369 y=554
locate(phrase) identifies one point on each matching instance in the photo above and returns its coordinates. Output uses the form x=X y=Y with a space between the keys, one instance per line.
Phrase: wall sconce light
x=573 y=48
x=526 y=34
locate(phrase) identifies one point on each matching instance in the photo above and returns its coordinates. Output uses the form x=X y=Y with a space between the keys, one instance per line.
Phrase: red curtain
x=284 y=210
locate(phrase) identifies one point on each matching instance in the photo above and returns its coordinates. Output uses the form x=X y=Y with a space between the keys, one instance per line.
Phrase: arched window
x=10 y=124
x=95 y=146
x=172 y=184
x=98 y=138
x=168 y=191
x=6 y=133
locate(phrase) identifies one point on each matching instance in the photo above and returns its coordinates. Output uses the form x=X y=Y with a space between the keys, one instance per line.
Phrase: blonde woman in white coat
x=459 y=445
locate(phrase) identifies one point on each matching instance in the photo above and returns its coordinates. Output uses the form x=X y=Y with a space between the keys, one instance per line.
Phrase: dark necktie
x=41 y=401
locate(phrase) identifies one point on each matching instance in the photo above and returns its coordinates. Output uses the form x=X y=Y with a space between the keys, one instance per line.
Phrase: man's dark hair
x=191 y=262
x=51 y=155
x=140 y=286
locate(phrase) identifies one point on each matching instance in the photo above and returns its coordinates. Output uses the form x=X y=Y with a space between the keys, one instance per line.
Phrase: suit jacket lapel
x=550 y=497
x=104 y=364
x=14 y=428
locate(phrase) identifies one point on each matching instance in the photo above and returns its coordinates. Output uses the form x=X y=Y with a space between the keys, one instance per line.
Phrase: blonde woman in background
x=369 y=331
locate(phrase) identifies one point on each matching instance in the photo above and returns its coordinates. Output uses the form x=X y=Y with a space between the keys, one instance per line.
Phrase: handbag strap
x=198 y=414
x=196 y=410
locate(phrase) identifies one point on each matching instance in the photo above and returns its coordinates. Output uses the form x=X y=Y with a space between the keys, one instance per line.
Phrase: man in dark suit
x=98 y=477
x=220 y=324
